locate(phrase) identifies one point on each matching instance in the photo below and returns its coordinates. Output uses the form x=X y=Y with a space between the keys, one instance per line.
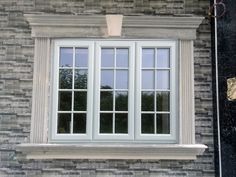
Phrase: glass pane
x=163 y=124
x=64 y=101
x=121 y=101
x=148 y=58
x=106 y=101
x=106 y=123
x=107 y=77
x=162 y=80
x=148 y=101
x=65 y=79
x=122 y=79
x=79 y=123
x=163 y=101
x=80 y=101
x=63 y=124
x=81 y=57
x=107 y=58
x=147 y=79
x=163 y=58
x=148 y=124
x=122 y=57
x=121 y=123
x=81 y=77
x=66 y=56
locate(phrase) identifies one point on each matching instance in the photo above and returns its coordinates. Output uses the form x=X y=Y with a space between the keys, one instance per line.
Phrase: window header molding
x=56 y=26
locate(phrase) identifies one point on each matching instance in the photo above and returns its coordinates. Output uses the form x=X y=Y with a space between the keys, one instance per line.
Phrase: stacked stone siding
x=16 y=77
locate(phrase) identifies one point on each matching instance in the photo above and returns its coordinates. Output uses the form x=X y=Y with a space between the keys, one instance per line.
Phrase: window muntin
x=124 y=96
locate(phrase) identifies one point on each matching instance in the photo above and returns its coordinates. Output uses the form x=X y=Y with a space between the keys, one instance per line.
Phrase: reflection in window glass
x=81 y=77
x=147 y=79
x=162 y=79
x=122 y=79
x=147 y=124
x=148 y=101
x=122 y=57
x=107 y=57
x=163 y=101
x=64 y=98
x=163 y=123
x=106 y=101
x=63 y=125
x=80 y=101
x=66 y=57
x=81 y=57
x=121 y=123
x=106 y=123
x=65 y=79
x=79 y=125
x=148 y=58
x=163 y=58
x=107 y=77
x=121 y=101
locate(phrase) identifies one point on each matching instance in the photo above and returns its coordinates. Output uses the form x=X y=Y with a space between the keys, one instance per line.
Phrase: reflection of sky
x=148 y=58
x=121 y=79
x=107 y=58
x=81 y=57
x=148 y=79
x=162 y=80
x=107 y=78
x=122 y=57
x=162 y=58
x=66 y=56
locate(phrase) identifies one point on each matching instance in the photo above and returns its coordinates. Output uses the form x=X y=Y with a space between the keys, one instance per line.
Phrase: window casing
x=129 y=86
x=45 y=31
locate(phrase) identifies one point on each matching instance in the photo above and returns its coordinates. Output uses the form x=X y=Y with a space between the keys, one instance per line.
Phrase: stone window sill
x=111 y=151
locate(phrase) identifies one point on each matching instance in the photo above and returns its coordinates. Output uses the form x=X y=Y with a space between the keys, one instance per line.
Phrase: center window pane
x=107 y=79
x=107 y=57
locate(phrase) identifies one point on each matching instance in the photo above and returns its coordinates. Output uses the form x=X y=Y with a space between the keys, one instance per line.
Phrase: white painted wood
x=39 y=118
x=111 y=151
x=186 y=92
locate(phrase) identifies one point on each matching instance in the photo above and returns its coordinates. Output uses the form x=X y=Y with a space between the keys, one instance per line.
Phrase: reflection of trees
x=65 y=78
x=81 y=80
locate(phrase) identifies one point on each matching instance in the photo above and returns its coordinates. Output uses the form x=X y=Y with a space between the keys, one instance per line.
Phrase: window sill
x=111 y=151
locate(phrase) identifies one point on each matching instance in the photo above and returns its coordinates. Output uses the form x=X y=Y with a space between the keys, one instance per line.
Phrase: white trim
x=55 y=137
x=112 y=151
x=171 y=138
x=114 y=137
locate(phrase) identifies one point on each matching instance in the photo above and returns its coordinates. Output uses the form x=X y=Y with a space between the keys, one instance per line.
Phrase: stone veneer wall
x=16 y=74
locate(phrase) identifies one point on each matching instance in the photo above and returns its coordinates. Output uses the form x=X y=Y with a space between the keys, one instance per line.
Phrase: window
x=114 y=91
x=160 y=130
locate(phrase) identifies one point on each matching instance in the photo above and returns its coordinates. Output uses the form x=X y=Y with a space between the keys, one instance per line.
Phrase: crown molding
x=61 y=26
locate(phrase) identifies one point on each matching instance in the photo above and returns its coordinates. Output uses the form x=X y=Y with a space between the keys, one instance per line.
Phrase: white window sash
x=159 y=138
x=56 y=137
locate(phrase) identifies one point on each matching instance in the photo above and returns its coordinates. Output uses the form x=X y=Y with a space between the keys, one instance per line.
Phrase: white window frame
x=55 y=137
x=159 y=138
x=114 y=44
x=134 y=91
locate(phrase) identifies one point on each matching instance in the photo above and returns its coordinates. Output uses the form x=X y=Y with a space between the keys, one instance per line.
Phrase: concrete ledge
x=111 y=151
